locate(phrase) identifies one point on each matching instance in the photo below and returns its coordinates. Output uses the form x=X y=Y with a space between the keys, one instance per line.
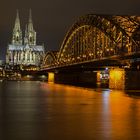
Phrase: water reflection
x=40 y=111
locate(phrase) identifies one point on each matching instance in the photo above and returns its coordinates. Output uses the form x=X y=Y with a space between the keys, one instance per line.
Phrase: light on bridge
x=116 y=79
x=50 y=77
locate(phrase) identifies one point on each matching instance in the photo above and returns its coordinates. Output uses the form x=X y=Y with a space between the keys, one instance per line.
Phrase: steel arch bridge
x=96 y=37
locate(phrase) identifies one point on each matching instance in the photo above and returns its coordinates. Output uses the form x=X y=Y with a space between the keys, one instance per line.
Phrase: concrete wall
x=124 y=79
x=81 y=78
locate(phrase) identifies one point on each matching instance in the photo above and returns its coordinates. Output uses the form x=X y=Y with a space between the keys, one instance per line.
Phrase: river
x=32 y=110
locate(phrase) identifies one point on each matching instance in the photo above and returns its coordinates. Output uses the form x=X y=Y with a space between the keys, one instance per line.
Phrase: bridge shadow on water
x=104 y=86
x=86 y=85
x=133 y=93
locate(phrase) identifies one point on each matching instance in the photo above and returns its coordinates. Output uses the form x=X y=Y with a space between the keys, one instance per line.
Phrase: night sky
x=52 y=18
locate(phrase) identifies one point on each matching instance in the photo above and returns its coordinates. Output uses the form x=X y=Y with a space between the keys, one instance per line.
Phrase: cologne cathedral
x=24 y=51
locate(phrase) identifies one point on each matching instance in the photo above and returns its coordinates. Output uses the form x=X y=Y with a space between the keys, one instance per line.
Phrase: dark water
x=41 y=111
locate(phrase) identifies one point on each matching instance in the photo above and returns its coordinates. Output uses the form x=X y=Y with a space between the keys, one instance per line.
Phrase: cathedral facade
x=24 y=50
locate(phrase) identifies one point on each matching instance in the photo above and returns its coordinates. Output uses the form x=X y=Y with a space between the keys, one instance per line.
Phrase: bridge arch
x=98 y=36
x=50 y=59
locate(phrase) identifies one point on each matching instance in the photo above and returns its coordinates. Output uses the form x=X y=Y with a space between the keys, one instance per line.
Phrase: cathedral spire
x=30 y=34
x=30 y=15
x=17 y=22
x=17 y=33
x=30 y=22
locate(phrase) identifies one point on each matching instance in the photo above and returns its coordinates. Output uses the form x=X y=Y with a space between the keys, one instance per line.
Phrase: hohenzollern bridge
x=96 y=42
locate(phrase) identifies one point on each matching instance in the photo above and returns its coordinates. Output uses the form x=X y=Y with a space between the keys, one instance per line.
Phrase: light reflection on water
x=40 y=111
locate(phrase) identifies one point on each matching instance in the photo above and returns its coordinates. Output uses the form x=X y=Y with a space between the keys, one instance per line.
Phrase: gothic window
x=30 y=39
x=28 y=56
x=17 y=38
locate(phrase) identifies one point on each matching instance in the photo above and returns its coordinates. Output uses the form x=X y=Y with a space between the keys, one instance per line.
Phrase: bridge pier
x=51 y=77
x=124 y=79
x=117 y=78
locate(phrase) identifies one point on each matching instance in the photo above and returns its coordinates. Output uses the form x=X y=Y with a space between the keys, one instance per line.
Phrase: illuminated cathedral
x=24 y=51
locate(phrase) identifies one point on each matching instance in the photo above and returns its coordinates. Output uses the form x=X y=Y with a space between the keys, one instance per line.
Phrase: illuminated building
x=24 y=51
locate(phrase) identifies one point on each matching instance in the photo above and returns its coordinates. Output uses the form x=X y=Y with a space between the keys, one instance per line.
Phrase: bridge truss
x=95 y=37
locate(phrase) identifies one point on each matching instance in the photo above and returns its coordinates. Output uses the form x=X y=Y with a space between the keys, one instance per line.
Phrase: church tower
x=25 y=51
x=30 y=34
x=17 y=32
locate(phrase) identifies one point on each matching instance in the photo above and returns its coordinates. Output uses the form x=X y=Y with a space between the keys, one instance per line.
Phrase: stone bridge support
x=51 y=77
x=124 y=79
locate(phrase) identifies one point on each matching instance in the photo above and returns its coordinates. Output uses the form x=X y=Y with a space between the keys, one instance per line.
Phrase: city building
x=24 y=51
